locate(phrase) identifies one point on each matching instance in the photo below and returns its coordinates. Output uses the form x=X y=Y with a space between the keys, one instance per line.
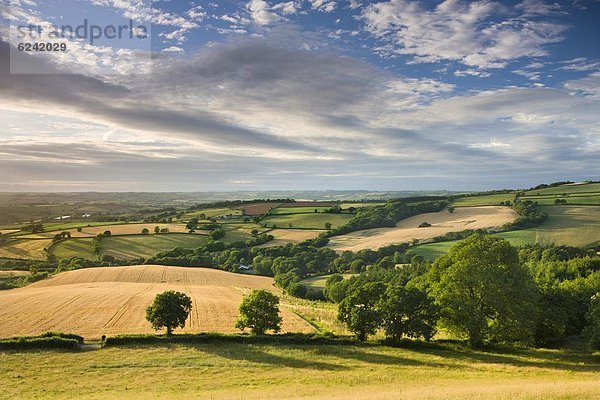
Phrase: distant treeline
x=236 y=203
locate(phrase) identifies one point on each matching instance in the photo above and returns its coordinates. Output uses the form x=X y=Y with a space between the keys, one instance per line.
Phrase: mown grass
x=307 y=221
x=486 y=200
x=135 y=246
x=127 y=247
x=285 y=371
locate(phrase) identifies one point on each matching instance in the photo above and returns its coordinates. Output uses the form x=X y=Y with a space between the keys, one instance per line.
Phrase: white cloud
x=588 y=86
x=261 y=13
x=580 y=64
x=323 y=5
x=531 y=75
x=480 y=34
x=287 y=8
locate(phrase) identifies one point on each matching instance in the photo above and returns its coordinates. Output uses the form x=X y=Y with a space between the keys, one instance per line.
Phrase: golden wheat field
x=112 y=300
x=442 y=222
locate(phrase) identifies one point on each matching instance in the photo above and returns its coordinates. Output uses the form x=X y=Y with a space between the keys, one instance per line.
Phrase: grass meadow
x=283 y=371
x=486 y=200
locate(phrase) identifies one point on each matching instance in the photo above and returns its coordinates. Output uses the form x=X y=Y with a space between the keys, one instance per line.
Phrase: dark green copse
x=358 y=310
x=259 y=311
x=170 y=309
x=407 y=312
x=484 y=292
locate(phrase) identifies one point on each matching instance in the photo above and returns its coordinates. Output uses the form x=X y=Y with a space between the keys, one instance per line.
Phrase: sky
x=301 y=94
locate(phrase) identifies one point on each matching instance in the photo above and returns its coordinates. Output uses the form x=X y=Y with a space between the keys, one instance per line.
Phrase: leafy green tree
x=145 y=231
x=484 y=292
x=407 y=312
x=336 y=292
x=157 y=229
x=328 y=225
x=592 y=330
x=192 y=223
x=296 y=289
x=358 y=310
x=170 y=309
x=259 y=311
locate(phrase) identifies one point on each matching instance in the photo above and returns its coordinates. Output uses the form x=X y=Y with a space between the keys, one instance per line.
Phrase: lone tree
x=259 y=311
x=484 y=292
x=170 y=309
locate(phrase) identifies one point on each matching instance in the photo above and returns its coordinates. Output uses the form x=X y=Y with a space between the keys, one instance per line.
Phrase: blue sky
x=307 y=94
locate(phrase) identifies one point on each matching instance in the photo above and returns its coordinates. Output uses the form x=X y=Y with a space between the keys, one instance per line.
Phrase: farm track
x=112 y=300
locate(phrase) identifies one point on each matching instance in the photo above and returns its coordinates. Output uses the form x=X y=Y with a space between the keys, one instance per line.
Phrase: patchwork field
x=309 y=372
x=213 y=212
x=486 y=200
x=297 y=210
x=257 y=208
x=307 y=221
x=441 y=223
x=112 y=300
x=25 y=249
x=566 y=225
x=121 y=229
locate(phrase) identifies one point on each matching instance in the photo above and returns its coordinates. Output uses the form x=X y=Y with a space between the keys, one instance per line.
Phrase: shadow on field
x=253 y=353
x=518 y=357
x=363 y=355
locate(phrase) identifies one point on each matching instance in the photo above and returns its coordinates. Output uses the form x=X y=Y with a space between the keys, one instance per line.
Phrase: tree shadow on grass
x=362 y=354
x=254 y=354
x=519 y=357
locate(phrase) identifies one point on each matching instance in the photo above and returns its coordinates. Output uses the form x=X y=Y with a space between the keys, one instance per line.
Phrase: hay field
x=26 y=249
x=442 y=222
x=112 y=300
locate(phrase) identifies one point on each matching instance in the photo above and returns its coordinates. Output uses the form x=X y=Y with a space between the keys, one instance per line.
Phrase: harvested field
x=32 y=248
x=258 y=208
x=112 y=300
x=442 y=222
x=7 y=231
x=13 y=273
x=285 y=236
